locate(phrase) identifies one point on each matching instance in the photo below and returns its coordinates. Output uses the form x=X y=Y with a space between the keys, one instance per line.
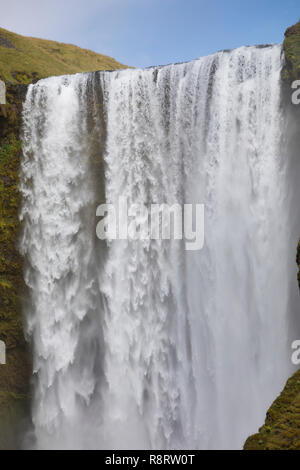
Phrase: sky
x=152 y=32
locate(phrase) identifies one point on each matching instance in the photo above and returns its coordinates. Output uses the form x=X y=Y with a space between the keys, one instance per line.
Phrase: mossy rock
x=13 y=413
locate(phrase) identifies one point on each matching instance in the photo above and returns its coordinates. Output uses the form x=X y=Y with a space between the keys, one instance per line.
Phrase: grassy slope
x=23 y=59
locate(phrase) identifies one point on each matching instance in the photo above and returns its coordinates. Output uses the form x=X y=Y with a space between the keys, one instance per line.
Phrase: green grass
x=24 y=59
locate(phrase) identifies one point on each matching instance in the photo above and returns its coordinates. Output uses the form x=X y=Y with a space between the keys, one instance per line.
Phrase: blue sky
x=152 y=32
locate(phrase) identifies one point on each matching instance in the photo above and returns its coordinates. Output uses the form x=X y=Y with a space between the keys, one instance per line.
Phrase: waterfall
x=143 y=344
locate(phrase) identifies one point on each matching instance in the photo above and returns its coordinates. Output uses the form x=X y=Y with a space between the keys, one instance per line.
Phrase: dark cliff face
x=15 y=374
x=22 y=61
x=281 y=430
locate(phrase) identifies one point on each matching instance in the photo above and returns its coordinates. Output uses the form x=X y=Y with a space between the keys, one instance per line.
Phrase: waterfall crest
x=141 y=344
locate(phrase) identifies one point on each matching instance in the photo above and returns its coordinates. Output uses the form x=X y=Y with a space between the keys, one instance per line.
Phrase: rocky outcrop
x=291 y=47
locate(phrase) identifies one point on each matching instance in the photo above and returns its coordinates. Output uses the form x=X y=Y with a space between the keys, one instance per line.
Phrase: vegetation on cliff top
x=24 y=59
x=291 y=47
x=281 y=430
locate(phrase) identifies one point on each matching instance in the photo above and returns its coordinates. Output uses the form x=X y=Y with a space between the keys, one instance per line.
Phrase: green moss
x=291 y=47
x=13 y=409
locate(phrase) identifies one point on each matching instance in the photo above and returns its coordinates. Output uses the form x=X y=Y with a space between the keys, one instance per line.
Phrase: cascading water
x=142 y=344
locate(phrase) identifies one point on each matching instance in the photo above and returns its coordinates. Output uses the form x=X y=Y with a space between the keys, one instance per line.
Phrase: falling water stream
x=143 y=344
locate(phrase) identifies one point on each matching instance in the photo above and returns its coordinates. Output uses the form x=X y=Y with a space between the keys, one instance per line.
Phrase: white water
x=149 y=345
